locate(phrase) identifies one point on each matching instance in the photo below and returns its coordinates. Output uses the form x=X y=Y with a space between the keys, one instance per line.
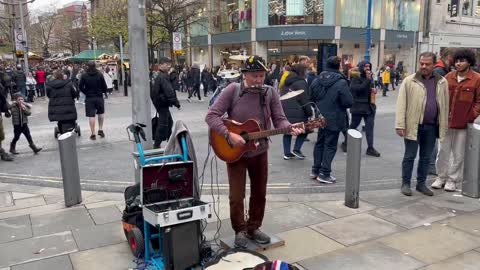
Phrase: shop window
x=469 y=8
x=354 y=13
x=403 y=15
x=281 y=12
x=231 y=15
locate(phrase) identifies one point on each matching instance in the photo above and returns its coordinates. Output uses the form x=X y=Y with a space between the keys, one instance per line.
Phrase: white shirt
x=108 y=80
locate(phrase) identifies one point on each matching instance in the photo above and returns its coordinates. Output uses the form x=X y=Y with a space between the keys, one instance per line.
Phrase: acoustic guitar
x=251 y=132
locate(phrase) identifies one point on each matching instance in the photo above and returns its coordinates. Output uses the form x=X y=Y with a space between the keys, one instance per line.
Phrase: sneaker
x=101 y=134
x=259 y=237
x=326 y=179
x=438 y=184
x=189 y=100
x=93 y=137
x=424 y=190
x=372 y=152
x=288 y=156
x=406 y=190
x=450 y=186
x=344 y=147
x=298 y=154
x=241 y=240
x=313 y=175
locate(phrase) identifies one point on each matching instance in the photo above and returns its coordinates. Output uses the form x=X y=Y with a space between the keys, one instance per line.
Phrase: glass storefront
x=286 y=51
x=286 y=12
x=403 y=15
x=231 y=15
x=470 y=8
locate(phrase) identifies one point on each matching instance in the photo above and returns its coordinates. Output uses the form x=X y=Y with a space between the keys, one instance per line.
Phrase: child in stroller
x=31 y=83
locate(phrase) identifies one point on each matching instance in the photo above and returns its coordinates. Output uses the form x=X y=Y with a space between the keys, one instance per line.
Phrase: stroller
x=30 y=92
x=67 y=126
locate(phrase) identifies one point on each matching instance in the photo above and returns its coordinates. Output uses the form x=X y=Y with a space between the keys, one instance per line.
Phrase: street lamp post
x=94 y=45
x=24 y=37
x=369 y=30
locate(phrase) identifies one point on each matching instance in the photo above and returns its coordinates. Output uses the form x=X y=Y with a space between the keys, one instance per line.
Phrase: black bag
x=154 y=125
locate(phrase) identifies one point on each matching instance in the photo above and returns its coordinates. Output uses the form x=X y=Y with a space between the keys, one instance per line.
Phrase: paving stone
x=469 y=223
x=111 y=257
x=411 y=215
x=21 y=195
x=105 y=214
x=99 y=236
x=315 y=197
x=99 y=204
x=301 y=244
x=5 y=199
x=355 y=229
x=223 y=212
x=362 y=257
x=383 y=198
x=51 y=199
x=15 y=228
x=60 y=221
x=36 y=248
x=454 y=201
x=30 y=202
x=292 y=217
x=338 y=209
x=56 y=263
x=433 y=243
x=465 y=261
x=32 y=210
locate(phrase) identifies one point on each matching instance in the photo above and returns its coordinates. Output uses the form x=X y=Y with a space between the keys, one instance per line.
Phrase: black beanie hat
x=333 y=62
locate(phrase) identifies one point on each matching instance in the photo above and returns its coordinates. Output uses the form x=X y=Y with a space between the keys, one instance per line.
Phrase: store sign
x=400 y=36
x=453 y=8
x=296 y=33
x=177 y=41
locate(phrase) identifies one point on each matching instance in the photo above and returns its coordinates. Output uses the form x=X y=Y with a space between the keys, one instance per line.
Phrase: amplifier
x=181 y=245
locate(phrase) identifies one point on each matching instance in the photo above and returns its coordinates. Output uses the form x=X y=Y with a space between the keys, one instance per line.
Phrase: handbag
x=154 y=125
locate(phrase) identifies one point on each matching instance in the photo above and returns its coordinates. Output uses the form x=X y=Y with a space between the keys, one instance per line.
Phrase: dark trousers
x=205 y=88
x=324 y=151
x=287 y=143
x=257 y=168
x=195 y=91
x=433 y=159
x=369 y=125
x=40 y=89
x=427 y=135
x=385 y=89
x=115 y=85
x=18 y=130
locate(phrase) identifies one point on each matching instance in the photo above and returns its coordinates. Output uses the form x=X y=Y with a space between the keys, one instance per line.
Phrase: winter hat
x=333 y=62
x=254 y=63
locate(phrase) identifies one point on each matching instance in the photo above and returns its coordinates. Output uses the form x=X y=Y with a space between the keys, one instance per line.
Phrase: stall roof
x=89 y=55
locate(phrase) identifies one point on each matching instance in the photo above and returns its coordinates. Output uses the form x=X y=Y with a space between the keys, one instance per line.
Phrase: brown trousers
x=257 y=168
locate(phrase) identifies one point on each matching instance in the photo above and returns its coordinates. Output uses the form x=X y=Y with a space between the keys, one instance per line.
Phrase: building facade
x=279 y=30
x=452 y=23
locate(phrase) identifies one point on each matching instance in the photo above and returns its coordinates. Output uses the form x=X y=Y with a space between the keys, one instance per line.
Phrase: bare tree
x=176 y=15
x=73 y=34
x=41 y=32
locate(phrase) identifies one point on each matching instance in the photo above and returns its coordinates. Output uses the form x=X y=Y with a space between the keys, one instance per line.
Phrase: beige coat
x=411 y=102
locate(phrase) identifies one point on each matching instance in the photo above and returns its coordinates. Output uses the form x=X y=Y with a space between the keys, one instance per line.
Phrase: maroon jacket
x=246 y=107
x=464 y=99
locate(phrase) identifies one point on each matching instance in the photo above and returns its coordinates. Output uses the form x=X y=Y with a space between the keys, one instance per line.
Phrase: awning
x=88 y=55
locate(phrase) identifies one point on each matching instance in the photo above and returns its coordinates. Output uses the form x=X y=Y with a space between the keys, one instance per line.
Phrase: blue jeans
x=324 y=151
x=369 y=125
x=287 y=142
x=426 y=137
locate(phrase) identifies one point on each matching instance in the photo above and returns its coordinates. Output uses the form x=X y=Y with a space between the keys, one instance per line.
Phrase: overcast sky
x=42 y=4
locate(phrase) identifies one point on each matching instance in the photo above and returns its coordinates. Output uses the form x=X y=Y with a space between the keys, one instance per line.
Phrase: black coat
x=162 y=94
x=92 y=84
x=174 y=80
x=3 y=100
x=361 y=88
x=61 y=104
x=19 y=78
x=294 y=108
x=193 y=78
x=332 y=95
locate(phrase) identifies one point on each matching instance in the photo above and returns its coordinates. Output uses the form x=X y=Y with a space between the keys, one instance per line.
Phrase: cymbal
x=291 y=94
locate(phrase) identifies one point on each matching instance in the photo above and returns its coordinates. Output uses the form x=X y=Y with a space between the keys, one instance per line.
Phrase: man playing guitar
x=250 y=99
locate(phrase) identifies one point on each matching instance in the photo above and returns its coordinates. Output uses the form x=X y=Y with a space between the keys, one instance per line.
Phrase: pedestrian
x=421 y=118
x=92 y=84
x=40 y=75
x=331 y=94
x=20 y=113
x=296 y=110
x=386 y=80
x=77 y=86
x=248 y=95
x=20 y=80
x=108 y=81
x=205 y=80
x=163 y=97
x=7 y=81
x=464 y=89
x=173 y=77
x=31 y=83
x=361 y=86
x=4 y=108
x=193 y=82
x=61 y=102
x=442 y=68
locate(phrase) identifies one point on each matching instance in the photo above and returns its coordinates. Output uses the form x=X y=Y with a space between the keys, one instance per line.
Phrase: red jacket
x=40 y=76
x=464 y=99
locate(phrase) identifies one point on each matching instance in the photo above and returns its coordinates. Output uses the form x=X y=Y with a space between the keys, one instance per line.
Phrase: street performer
x=250 y=99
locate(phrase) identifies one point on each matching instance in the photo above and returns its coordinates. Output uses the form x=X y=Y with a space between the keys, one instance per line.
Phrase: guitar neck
x=267 y=133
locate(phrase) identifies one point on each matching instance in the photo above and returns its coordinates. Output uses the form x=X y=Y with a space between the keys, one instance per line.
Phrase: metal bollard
x=352 y=182
x=471 y=168
x=72 y=190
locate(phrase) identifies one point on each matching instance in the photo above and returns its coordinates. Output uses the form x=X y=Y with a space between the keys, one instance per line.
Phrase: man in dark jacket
x=361 y=85
x=61 y=103
x=193 y=82
x=163 y=97
x=20 y=80
x=296 y=110
x=3 y=109
x=331 y=93
x=93 y=85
